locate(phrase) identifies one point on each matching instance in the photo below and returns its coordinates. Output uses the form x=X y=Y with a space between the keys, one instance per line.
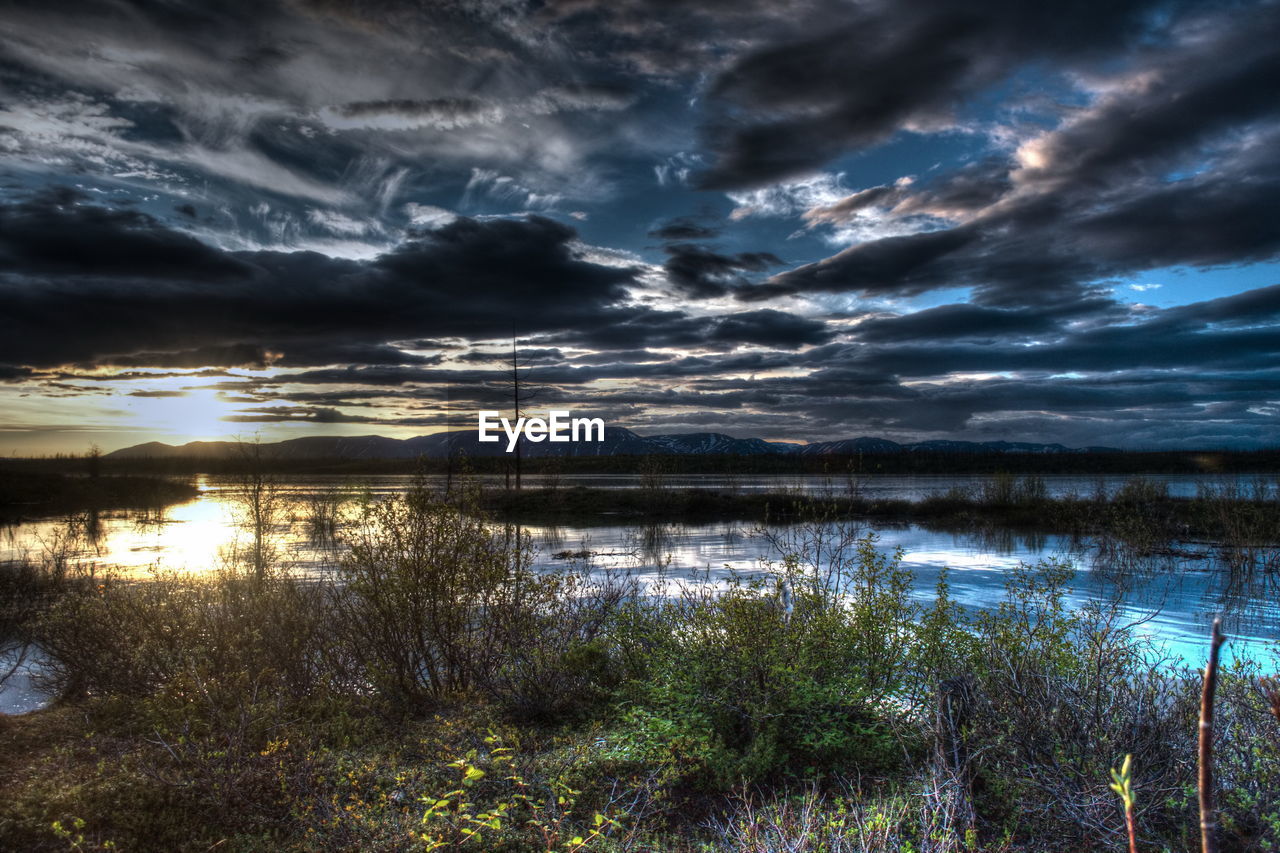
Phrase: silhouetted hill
x=863 y=444
x=618 y=441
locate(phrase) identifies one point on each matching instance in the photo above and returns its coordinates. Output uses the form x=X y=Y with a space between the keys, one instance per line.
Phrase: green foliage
x=74 y=836
x=1247 y=757
x=1122 y=782
x=240 y=708
x=495 y=808
x=793 y=669
x=555 y=663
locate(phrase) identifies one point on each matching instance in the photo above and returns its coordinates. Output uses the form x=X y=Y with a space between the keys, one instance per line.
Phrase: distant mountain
x=618 y=441
x=944 y=446
x=850 y=446
x=994 y=447
x=705 y=443
x=314 y=447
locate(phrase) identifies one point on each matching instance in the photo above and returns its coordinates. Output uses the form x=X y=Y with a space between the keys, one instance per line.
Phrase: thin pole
x=515 y=394
x=1208 y=816
x=448 y=439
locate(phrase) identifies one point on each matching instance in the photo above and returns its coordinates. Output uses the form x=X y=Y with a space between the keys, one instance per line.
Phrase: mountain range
x=618 y=441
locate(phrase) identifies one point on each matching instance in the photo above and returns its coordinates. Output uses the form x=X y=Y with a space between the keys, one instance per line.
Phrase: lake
x=1174 y=597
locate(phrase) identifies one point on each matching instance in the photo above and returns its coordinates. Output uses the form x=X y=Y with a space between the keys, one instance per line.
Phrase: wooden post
x=1208 y=816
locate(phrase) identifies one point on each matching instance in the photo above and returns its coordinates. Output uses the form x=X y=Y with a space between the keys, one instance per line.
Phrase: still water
x=1174 y=597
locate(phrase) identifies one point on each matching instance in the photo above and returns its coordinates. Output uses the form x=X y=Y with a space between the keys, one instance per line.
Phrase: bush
x=1247 y=758
x=195 y=680
x=27 y=591
x=790 y=670
x=215 y=634
x=430 y=592
x=555 y=663
x=1060 y=697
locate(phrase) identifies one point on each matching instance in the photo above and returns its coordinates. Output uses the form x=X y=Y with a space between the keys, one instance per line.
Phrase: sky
x=799 y=221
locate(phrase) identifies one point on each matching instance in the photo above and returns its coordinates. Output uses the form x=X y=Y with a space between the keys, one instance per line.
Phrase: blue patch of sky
x=1182 y=285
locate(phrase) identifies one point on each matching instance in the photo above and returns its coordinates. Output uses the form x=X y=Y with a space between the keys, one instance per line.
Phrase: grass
x=437 y=694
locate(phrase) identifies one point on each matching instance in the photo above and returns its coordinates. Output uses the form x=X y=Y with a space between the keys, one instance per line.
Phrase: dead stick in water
x=1208 y=817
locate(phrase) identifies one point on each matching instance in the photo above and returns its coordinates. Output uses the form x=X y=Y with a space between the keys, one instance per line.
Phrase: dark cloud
x=1167 y=168
x=131 y=292
x=904 y=266
x=487 y=278
x=158 y=395
x=524 y=355
x=885 y=67
x=629 y=329
x=230 y=355
x=1233 y=333
x=300 y=190
x=768 y=327
x=1253 y=307
x=1184 y=97
x=57 y=233
x=1027 y=250
x=701 y=273
x=258 y=309
x=683 y=228
x=322 y=415
x=314 y=354
x=132 y=375
x=1224 y=218
x=635 y=356
x=951 y=322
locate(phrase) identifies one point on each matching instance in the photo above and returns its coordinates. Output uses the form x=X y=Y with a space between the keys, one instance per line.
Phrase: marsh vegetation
x=438 y=691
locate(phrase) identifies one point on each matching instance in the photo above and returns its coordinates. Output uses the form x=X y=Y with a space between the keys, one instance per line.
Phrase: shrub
x=428 y=584
x=792 y=669
x=27 y=591
x=1060 y=694
x=222 y=631
x=1247 y=758
x=555 y=663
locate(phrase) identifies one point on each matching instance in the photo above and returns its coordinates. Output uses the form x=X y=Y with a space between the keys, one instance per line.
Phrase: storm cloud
x=807 y=219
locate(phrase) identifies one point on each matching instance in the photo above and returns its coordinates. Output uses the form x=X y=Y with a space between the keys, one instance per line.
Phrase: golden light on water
x=196 y=536
x=200 y=535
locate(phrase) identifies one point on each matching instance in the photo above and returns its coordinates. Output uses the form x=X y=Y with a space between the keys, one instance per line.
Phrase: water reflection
x=20 y=668
x=1178 y=587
